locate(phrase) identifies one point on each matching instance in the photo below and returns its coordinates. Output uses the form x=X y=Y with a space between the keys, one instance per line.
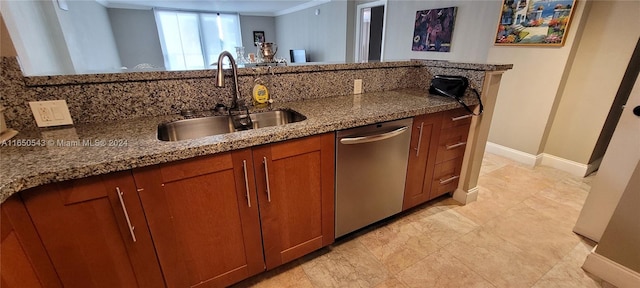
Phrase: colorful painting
x=534 y=22
x=433 y=30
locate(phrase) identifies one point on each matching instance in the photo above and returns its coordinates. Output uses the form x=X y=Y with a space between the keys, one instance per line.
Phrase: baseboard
x=466 y=197
x=527 y=159
x=530 y=160
x=572 y=167
x=610 y=271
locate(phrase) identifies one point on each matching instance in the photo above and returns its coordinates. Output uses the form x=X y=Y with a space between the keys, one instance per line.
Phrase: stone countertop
x=44 y=156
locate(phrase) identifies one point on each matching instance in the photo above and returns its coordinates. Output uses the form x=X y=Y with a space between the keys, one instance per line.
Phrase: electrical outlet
x=357 y=86
x=51 y=113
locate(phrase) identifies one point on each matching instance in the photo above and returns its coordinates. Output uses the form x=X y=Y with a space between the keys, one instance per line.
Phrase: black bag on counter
x=453 y=87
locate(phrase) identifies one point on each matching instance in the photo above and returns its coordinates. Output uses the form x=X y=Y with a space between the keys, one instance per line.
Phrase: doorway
x=626 y=85
x=370 y=30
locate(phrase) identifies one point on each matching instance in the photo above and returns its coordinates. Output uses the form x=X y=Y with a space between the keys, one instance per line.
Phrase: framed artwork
x=534 y=22
x=258 y=36
x=433 y=29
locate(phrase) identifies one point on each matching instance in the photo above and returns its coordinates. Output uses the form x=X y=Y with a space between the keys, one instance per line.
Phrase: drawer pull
x=461 y=117
x=246 y=181
x=448 y=180
x=266 y=177
x=419 y=139
x=449 y=147
x=126 y=214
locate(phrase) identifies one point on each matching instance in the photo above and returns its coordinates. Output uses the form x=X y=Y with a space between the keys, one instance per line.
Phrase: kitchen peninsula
x=121 y=113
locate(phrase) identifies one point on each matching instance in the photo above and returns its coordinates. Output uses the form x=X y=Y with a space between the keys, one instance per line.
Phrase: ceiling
x=244 y=7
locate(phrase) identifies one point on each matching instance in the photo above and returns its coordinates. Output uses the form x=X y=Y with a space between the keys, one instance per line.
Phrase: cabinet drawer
x=445 y=177
x=452 y=143
x=455 y=118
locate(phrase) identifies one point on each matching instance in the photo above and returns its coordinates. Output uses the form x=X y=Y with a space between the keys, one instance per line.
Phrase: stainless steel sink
x=215 y=125
x=275 y=118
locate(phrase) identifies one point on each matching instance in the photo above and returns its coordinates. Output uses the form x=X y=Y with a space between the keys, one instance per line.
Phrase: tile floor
x=518 y=234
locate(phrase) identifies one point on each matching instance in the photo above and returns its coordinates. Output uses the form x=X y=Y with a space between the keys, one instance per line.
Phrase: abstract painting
x=433 y=29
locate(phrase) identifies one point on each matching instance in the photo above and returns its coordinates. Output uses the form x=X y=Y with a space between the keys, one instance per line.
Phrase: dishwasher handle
x=373 y=138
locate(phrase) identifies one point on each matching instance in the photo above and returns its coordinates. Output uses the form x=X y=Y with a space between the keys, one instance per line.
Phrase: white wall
x=473 y=31
x=37 y=37
x=594 y=79
x=324 y=36
x=528 y=91
x=136 y=37
x=248 y=24
x=89 y=37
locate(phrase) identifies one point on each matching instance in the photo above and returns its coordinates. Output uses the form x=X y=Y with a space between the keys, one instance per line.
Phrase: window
x=193 y=40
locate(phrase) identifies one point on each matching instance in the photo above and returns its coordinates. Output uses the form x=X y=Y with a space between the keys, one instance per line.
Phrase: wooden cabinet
x=93 y=237
x=438 y=142
x=450 y=152
x=203 y=216
x=295 y=181
x=422 y=156
x=210 y=216
x=23 y=260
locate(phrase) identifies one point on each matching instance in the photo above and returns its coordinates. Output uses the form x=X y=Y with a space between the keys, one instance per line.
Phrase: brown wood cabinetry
x=23 y=260
x=451 y=145
x=295 y=181
x=438 y=142
x=203 y=216
x=422 y=157
x=209 y=223
x=93 y=237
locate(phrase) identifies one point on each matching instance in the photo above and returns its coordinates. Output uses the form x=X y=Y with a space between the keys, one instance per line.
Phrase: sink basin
x=275 y=118
x=215 y=125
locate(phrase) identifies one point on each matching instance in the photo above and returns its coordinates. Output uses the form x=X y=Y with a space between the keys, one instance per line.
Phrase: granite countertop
x=93 y=149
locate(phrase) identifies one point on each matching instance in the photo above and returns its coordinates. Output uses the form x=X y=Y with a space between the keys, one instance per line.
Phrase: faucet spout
x=220 y=77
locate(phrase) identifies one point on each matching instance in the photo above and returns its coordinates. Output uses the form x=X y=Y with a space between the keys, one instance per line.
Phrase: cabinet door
x=23 y=260
x=204 y=222
x=84 y=228
x=295 y=181
x=422 y=155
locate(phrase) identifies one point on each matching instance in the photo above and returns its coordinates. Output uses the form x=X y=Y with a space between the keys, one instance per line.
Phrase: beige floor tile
x=512 y=185
x=498 y=261
x=446 y=226
x=489 y=205
x=550 y=173
x=392 y=282
x=289 y=275
x=531 y=230
x=564 y=213
x=398 y=245
x=568 y=274
x=568 y=192
x=441 y=269
x=491 y=162
x=348 y=264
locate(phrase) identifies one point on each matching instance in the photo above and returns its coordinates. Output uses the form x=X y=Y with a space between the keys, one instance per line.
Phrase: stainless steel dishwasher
x=371 y=167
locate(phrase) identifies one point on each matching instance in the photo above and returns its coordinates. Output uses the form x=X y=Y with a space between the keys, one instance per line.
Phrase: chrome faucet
x=220 y=77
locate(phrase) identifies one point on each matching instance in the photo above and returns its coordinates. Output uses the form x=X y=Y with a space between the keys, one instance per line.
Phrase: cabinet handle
x=446 y=181
x=126 y=214
x=266 y=177
x=419 y=139
x=449 y=147
x=461 y=117
x=246 y=181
